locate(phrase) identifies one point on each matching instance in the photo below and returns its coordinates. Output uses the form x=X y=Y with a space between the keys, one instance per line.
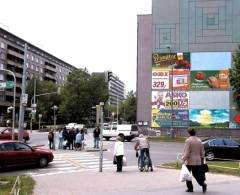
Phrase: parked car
x=6 y=134
x=15 y=153
x=70 y=125
x=221 y=148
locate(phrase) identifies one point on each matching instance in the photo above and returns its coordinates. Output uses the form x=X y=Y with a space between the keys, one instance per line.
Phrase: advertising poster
x=162 y=118
x=173 y=60
x=163 y=100
x=181 y=79
x=210 y=79
x=160 y=79
x=234 y=119
x=213 y=118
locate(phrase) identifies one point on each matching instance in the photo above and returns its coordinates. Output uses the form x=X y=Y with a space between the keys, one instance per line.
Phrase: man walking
x=193 y=157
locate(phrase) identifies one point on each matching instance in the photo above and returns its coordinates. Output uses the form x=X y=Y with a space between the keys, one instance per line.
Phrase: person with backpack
x=96 y=136
x=51 y=139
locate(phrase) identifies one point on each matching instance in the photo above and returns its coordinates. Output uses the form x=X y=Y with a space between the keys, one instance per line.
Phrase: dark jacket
x=96 y=132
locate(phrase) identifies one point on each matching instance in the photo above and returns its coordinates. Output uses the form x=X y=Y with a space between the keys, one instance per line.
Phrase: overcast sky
x=97 y=34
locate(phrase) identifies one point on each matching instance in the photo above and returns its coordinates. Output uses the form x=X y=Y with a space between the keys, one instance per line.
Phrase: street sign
x=7 y=84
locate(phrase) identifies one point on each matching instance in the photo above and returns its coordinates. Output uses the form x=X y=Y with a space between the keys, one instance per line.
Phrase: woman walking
x=118 y=153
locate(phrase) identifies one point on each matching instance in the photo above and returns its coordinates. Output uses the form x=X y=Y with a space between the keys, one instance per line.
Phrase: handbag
x=205 y=167
x=114 y=160
x=185 y=175
x=124 y=161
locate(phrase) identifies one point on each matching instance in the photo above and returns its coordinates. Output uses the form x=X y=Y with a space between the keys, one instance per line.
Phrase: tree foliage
x=44 y=102
x=81 y=92
x=128 y=108
x=235 y=77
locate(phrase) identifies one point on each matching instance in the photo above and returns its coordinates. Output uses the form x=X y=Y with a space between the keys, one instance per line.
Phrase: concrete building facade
x=39 y=64
x=201 y=33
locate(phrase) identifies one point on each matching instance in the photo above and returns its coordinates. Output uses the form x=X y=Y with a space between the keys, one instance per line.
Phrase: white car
x=70 y=125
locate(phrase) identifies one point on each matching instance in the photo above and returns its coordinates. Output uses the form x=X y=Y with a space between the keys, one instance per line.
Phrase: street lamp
x=14 y=100
x=171 y=129
x=54 y=119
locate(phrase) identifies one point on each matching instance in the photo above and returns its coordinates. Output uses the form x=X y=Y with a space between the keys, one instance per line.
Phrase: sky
x=100 y=35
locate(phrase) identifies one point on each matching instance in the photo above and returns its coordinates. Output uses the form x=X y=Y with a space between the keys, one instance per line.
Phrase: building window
x=32 y=67
x=37 y=68
x=1 y=77
x=2 y=45
x=37 y=60
x=32 y=58
x=41 y=70
x=27 y=55
x=41 y=62
x=27 y=65
x=60 y=70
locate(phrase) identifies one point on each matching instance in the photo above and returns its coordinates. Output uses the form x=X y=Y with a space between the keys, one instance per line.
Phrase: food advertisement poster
x=169 y=60
x=163 y=100
x=181 y=79
x=160 y=79
x=234 y=119
x=210 y=79
x=205 y=118
x=162 y=118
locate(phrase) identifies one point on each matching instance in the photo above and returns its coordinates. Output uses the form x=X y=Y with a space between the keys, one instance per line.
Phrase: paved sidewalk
x=130 y=182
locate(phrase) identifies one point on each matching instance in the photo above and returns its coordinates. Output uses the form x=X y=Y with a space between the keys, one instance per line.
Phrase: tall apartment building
x=182 y=46
x=40 y=64
x=116 y=88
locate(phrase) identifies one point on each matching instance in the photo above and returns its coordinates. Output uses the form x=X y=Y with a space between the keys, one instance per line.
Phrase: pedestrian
x=65 y=138
x=118 y=153
x=83 y=137
x=78 y=141
x=143 y=145
x=71 y=138
x=60 y=137
x=193 y=157
x=50 y=139
x=96 y=134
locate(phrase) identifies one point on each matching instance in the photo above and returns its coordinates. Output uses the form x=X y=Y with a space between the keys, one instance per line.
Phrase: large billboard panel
x=169 y=60
x=209 y=118
x=164 y=100
x=181 y=79
x=163 y=118
x=160 y=79
x=210 y=79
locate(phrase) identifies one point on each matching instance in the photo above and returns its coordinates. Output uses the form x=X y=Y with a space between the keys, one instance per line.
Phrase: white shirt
x=118 y=148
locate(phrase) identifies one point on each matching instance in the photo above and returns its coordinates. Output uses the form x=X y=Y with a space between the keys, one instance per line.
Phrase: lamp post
x=14 y=100
x=54 y=119
x=101 y=138
x=171 y=129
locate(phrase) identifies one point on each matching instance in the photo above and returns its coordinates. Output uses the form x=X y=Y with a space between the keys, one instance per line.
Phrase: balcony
x=47 y=67
x=14 y=53
x=14 y=63
x=47 y=75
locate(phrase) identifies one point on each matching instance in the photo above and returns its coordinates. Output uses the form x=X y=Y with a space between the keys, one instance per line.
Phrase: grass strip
x=223 y=167
x=26 y=184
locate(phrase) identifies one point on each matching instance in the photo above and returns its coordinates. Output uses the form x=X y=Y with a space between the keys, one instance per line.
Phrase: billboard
x=209 y=118
x=169 y=60
x=210 y=79
x=164 y=100
x=160 y=79
x=181 y=79
x=162 y=118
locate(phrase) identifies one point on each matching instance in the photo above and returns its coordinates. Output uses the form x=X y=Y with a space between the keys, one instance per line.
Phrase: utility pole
x=22 y=107
x=101 y=137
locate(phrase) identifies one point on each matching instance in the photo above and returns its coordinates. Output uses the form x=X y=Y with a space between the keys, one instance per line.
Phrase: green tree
x=81 y=92
x=45 y=102
x=128 y=108
x=235 y=77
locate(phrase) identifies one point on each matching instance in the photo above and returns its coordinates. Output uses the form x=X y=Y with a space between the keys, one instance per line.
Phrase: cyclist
x=143 y=145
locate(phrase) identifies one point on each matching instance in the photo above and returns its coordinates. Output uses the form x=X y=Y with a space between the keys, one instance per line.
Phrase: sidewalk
x=130 y=182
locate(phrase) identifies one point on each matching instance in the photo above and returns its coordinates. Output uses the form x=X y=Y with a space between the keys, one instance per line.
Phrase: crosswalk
x=72 y=161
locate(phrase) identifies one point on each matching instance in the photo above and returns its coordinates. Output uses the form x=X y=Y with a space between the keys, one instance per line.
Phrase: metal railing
x=16 y=187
